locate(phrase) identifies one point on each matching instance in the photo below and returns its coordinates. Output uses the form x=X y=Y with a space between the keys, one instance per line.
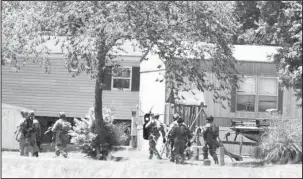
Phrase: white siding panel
x=51 y=93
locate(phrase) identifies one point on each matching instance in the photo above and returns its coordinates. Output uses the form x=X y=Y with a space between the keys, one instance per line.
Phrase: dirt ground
x=135 y=165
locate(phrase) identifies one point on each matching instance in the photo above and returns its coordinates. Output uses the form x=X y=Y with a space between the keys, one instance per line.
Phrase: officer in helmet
x=210 y=134
x=155 y=128
x=61 y=128
x=180 y=134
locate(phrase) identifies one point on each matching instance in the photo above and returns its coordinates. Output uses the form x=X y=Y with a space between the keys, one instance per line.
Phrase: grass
x=135 y=165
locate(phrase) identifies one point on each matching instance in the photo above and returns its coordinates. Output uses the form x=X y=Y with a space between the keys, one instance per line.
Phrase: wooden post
x=241 y=144
x=222 y=163
x=198 y=144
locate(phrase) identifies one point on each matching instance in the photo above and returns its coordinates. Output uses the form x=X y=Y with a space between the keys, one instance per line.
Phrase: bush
x=84 y=138
x=282 y=141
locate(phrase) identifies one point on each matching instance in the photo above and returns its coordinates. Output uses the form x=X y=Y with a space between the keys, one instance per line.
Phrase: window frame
x=276 y=95
x=127 y=78
x=257 y=95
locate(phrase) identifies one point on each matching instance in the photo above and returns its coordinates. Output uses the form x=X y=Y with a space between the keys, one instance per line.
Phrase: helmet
x=22 y=112
x=180 y=120
x=156 y=115
x=62 y=115
x=176 y=116
x=31 y=113
x=210 y=119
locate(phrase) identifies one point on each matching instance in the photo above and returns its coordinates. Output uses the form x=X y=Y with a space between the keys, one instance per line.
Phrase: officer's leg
x=150 y=142
x=181 y=151
x=155 y=148
x=171 y=148
x=57 y=150
x=36 y=150
x=168 y=149
x=21 y=147
x=212 y=151
x=174 y=152
x=205 y=151
x=31 y=150
x=64 y=150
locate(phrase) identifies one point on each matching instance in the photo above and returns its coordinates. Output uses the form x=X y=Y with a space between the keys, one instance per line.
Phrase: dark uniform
x=180 y=135
x=28 y=130
x=210 y=134
x=37 y=135
x=155 y=127
x=61 y=128
x=19 y=134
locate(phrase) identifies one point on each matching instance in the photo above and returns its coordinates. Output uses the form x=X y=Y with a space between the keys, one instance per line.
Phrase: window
x=246 y=94
x=121 y=78
x=268 y=94
x=257 y=94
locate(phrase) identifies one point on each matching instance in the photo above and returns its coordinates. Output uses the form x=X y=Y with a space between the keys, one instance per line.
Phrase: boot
x=150 y=155
x=205 y=156
x=216 y=161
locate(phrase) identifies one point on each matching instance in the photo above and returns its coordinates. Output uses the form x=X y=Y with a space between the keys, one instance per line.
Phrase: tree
x=277 y=23
x=93 y=32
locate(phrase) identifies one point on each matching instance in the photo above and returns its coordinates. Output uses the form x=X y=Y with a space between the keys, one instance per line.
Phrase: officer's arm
x=172 y=132
x=162 y=130
x=55 y=127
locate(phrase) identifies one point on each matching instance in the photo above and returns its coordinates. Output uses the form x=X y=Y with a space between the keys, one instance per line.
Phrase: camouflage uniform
x=171 y=126
x=180 y=134
x=29 y=135
x=155 y=127
x=19 y=134
x=61 y=128
x=37 y=135
x=210 y=134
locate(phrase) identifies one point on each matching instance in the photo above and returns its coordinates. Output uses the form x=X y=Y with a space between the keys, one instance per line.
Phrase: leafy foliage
x=276 y=23
x=84 y=138
x=90 y=34
x=281 y=143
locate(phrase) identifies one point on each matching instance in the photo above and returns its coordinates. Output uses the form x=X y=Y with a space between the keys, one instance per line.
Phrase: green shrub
x=282 y=141
x=84 y=138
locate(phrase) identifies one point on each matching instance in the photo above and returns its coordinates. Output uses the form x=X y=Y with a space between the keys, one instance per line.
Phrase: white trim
x=257 y=95
x=128 y=78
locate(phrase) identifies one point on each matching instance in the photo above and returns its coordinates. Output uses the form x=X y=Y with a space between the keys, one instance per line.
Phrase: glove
x=164 y=140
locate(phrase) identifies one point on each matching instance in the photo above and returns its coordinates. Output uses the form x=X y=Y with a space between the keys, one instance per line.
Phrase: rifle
x=49 y=129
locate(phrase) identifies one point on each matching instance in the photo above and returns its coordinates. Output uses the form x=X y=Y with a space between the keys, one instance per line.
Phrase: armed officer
x=19 y=134
x=210 y=134
x=154 y=127
x=61 y=128
x=180 y=134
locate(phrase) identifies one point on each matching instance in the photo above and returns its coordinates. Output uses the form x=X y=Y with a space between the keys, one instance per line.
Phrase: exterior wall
x=10 y=118
x=290 y=108
x=257 y=69
x=48 y=94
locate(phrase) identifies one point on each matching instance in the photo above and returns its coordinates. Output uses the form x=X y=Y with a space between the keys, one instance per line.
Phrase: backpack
x=146 y=131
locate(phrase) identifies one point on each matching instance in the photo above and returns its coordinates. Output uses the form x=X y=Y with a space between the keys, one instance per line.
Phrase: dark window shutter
x=108 y=78
x=233 y=99
x=280 y=100
x=135 y=78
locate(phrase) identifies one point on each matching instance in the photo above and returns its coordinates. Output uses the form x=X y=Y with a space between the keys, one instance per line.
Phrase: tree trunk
x=100 y=128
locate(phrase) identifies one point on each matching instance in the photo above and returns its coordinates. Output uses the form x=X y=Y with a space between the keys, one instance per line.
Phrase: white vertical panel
x=152 y=92
x=10 y=119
